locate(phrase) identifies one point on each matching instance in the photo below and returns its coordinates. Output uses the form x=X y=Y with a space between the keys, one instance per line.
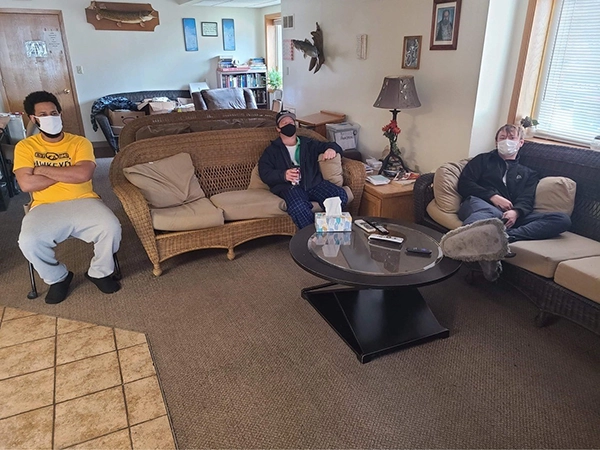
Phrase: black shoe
x=58 y=291
x=108 y=284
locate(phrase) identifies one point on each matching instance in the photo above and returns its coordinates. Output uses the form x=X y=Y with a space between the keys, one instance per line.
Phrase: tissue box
x=327 y=224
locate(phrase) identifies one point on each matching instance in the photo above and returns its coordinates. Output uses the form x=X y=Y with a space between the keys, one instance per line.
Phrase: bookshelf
x=255 y=80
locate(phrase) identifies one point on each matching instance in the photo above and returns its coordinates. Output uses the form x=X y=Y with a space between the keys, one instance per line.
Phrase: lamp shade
x=398 y=93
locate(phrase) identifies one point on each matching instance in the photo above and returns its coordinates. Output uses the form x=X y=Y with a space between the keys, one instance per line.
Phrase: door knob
x=67 y=91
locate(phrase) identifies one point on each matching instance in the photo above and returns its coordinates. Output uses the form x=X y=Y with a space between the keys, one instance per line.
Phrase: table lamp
x=396 y=93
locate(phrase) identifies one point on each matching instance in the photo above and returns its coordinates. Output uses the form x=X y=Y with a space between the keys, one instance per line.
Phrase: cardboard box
x=324 y=224
x=120 y=117
x=116 y=130
x=162 y=107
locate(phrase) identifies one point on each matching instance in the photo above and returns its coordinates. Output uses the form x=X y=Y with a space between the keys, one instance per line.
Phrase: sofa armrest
x=422 y=196
x=104 y=125
x=354 y=177
x=199 y=102
x=136 y=208
x=250 y=100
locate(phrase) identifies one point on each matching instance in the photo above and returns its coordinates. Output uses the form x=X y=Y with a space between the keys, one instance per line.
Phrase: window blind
x=568 y=105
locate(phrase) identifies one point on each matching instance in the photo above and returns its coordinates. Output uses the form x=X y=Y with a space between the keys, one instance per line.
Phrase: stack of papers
x=378 y=180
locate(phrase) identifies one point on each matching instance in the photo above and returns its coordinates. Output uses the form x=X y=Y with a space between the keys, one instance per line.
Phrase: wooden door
x=34 y=57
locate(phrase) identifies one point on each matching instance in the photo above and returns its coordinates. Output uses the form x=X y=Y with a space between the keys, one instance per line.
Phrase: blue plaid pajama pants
x=298 y=201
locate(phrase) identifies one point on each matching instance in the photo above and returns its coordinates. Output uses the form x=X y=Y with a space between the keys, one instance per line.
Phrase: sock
x=58 y=291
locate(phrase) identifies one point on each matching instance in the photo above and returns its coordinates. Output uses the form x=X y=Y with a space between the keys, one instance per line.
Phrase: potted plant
x=274 y=80
x=529 y=124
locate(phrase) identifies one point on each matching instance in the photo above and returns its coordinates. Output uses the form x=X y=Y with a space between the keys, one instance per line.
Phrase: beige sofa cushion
x=167 y=182
x=542 y=257
x=255 y=181
x=168 y=129
x=581 y=276
x=555 y=194
x=249 y=204
x=190 y=216
x=448 y=220
x=445 y=184
x=331 y=169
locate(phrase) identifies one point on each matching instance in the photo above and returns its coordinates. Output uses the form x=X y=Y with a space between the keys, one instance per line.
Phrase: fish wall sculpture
x=124 y=16
x=314 y=49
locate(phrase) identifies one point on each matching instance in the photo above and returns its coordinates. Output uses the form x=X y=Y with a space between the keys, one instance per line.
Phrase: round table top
x=350 y=258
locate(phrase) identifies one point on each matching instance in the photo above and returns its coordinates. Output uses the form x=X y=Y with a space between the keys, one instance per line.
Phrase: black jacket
x=482 y=177
x=275 y=160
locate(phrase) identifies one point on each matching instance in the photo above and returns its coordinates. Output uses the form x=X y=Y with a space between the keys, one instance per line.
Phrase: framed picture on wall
x=190 y=35
x=228 y=34
x=411 y=57
x=444 y=25
x=209 y=29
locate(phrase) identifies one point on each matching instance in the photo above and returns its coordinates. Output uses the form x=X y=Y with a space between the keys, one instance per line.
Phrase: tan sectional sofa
x=561 y=275
x=230 y=206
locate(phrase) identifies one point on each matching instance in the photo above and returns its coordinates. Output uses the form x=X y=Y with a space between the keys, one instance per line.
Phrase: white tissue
x=333 y=206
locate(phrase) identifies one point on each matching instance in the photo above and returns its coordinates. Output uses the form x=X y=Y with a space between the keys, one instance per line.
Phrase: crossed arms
x=32 y=179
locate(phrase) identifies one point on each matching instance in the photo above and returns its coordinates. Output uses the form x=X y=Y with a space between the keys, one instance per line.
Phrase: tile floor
x=68 y=384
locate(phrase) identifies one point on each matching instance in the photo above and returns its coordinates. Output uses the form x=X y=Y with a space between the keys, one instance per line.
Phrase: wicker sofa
x=100 y=114
x=577 y=265
x=223 y=161
x=188 y=122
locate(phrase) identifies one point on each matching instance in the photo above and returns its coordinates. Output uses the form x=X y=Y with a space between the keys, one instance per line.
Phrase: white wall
x=498 y=65
x=447 y=81
x=122 y=61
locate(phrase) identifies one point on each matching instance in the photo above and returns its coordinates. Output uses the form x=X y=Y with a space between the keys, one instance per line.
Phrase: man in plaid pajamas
x=290 y=167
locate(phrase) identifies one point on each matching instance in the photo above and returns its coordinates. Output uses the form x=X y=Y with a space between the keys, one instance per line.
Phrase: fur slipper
x=484 y=240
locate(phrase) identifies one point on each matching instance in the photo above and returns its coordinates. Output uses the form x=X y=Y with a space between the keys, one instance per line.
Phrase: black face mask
x=288 y=130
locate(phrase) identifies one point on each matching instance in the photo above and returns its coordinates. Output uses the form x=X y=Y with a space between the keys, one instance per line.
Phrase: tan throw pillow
x=255 y=181
x=331 y=169
x=167 y=182
x=445 y=186
x=150 y=131
x=555 y=194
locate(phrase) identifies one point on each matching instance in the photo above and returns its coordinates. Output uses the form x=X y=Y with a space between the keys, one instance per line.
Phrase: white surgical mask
x=508 y=148
x=50 y=124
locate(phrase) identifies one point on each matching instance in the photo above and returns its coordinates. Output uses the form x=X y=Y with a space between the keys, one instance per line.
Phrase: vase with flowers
x=529 y=125
x=391 y=132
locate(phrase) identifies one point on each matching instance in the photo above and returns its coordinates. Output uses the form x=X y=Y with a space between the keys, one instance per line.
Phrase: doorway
x=35 y=57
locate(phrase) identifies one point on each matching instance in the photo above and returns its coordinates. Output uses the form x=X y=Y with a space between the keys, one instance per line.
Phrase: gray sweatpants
x=88 y=219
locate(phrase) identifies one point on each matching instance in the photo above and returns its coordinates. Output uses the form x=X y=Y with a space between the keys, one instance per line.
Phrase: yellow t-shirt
x=34 y=151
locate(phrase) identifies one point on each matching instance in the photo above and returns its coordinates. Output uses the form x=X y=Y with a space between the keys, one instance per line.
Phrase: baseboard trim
x=102 y=150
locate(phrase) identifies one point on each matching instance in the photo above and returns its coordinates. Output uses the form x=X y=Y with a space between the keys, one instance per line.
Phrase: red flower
x=391 y=130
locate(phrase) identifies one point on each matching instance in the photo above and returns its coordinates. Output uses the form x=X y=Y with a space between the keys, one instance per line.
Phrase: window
x=567 y=100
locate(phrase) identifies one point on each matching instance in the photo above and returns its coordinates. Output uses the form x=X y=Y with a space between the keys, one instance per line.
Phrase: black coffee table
x=371 y=299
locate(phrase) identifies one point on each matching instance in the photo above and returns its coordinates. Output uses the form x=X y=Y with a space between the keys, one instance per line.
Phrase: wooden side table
x=393 y=200
x=318 y=121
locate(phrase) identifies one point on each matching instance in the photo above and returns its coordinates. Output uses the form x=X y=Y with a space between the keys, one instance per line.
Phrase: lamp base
x=393 y=162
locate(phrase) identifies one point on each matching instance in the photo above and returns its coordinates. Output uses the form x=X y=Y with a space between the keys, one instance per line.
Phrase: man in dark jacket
x=495 y=186
x=289 y=166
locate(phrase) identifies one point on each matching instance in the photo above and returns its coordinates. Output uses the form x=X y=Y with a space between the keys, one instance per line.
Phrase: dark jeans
x=533 y=226
x=298 y=201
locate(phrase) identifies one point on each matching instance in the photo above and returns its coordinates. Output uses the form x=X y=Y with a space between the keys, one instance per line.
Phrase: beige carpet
x=245 y=362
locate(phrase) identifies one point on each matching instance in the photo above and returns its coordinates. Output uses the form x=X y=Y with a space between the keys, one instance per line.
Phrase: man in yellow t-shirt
x=57 y=168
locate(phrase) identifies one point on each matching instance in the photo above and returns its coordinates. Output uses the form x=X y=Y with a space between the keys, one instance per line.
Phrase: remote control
x=364 y=226
x=419 y=251
x=380 y=228
x=386 y=238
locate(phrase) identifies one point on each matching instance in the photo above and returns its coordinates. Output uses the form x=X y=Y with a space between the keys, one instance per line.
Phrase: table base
x=374 y=322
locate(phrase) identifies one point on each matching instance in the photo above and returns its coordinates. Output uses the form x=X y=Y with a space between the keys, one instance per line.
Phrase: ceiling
x=231 y=3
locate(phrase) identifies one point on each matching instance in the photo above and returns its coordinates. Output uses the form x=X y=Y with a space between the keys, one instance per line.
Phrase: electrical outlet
x=79 y=70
